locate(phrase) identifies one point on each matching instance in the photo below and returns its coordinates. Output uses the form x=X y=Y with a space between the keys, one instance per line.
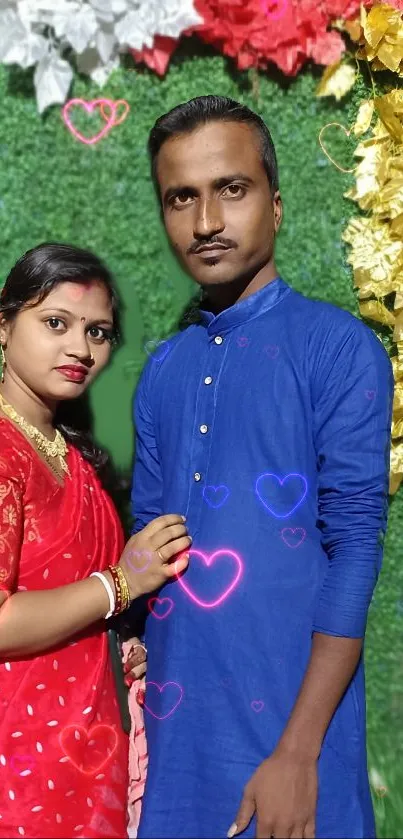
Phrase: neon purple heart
x=370 y=394
x=242 y=341
x=160 y=689
x=299 y=492
x=257 y=705
x=156 y=603
x=288 y=539
x=218 y=495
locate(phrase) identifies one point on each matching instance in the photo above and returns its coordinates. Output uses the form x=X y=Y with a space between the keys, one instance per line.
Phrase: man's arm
x=352 y=400
x=146 y=494
x=332 y=664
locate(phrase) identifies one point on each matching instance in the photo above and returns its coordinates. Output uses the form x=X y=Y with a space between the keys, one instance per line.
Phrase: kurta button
x=204 y=429
x=218 y=339
x=208 y=380
x=197 y=476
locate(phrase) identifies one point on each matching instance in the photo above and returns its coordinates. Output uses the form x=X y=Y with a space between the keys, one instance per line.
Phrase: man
x=268 y=425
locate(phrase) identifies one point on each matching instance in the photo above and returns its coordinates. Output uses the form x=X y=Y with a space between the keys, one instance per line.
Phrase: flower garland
x=376 y=238
x=57 y=37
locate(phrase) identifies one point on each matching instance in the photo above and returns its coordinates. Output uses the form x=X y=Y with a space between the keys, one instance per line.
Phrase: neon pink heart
x=89 y=107
x=208 y=560
x=293 y=531
x=152 y=605
x=257 y=705
x=161 y=688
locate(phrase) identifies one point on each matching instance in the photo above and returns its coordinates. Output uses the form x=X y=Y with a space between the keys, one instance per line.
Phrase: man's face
x=215 y=192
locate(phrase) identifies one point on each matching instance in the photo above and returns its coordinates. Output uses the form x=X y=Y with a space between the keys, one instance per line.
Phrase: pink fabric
x=138 y=756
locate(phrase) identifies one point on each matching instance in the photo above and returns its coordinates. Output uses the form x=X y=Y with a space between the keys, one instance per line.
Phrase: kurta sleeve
x=146 y=496
x=352 y=395
x=11 y=528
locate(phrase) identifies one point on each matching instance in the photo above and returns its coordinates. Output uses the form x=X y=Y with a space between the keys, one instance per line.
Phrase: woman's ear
x=3 y=331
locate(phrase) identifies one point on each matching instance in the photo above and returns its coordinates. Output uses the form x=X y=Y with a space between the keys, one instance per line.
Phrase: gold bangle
x=122 y=592
x=124 y=586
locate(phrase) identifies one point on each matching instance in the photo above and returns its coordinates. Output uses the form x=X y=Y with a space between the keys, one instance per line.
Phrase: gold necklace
x=50 y=448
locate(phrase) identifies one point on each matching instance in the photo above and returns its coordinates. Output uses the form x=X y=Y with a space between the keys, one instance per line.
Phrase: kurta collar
x=258 y=303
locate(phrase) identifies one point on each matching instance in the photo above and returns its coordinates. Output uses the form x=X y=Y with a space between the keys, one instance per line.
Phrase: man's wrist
x=299 y=748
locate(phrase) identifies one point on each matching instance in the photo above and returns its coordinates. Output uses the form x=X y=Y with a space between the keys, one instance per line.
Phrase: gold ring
x=160 y=556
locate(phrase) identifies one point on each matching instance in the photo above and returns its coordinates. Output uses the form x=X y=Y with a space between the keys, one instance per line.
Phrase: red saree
x=63 y=754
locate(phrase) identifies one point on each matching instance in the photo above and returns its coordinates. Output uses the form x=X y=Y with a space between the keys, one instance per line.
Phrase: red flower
x=159 y=55
x=285 y=32
x=257 y=32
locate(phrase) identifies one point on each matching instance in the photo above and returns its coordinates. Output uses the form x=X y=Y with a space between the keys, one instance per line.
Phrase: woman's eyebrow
x=67 y=312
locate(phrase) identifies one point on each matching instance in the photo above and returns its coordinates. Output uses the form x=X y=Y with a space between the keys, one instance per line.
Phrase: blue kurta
x=268 y=426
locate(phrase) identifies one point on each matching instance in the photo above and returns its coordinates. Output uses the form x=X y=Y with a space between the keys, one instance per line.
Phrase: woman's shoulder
x=15 y=461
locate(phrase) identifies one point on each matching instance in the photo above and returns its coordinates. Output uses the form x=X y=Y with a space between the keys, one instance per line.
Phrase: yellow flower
x=375 y=256
x=381 y=38
x=337 y=80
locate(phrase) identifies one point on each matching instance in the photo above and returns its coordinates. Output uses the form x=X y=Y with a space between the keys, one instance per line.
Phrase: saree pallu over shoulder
x=63 y=754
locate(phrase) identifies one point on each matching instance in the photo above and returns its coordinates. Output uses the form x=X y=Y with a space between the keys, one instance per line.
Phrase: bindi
x=76 y=292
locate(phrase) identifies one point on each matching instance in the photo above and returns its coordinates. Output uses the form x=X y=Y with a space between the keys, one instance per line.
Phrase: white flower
x=36 y=33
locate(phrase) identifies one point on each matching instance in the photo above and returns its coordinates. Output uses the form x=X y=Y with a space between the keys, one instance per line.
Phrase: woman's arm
x=32 y=621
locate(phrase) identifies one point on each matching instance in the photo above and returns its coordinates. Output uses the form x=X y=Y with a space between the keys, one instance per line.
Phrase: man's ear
x=278 y=210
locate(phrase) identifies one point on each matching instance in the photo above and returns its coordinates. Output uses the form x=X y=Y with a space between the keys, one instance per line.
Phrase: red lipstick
x=73 y=372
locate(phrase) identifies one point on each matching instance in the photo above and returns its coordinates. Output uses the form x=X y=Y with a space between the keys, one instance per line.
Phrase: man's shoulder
x=328 y=321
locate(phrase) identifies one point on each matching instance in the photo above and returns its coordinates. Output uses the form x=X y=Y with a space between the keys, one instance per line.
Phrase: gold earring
x=92 y=357
x=3 y=363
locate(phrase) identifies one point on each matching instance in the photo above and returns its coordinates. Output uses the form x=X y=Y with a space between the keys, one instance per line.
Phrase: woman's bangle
x=112 y=600
x=121 y=588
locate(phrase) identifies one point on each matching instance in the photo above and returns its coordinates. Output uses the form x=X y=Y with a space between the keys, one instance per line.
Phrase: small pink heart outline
x=257 y=705
x=89 y=107
x=161 y=688
x=149 y=557
x=160 y=600
x=272 y=350
x=208 y=561
x=293 y=531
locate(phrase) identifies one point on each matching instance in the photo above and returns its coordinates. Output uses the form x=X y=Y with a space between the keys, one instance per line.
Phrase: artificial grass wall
x=100 y=197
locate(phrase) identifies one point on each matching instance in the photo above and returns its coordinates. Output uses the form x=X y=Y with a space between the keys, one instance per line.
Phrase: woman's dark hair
x=189 y=115
x=33 y=277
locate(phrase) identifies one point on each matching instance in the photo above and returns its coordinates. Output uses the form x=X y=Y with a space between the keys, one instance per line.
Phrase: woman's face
x=49 y=346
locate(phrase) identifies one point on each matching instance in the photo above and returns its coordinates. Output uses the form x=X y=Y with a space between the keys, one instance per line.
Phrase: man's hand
x=283 y=792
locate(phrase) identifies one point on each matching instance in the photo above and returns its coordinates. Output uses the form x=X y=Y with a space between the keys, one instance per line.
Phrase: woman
x=63 y=564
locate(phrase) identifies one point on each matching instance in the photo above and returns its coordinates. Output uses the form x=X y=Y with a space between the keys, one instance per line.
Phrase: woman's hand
x=135 y=666
x=145 y=560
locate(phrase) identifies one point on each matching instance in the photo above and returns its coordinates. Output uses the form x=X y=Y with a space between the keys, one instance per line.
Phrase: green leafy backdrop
x=100 y=197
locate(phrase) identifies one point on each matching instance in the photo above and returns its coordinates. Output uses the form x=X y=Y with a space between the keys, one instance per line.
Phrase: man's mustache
x=215 y=240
